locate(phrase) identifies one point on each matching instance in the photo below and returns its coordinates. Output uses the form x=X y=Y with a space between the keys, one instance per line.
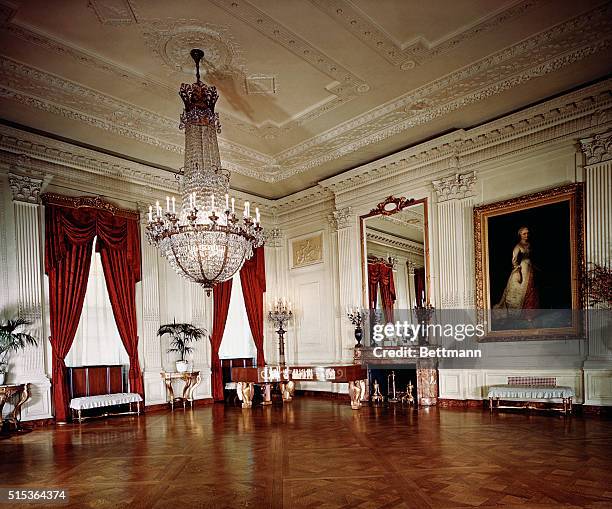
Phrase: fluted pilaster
x=344 y=221
x=455 y=197
x=28 y=252
x=598 y=176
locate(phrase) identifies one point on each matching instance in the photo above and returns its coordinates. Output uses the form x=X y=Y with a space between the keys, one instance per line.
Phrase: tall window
x=237 y=339
x=97 y=340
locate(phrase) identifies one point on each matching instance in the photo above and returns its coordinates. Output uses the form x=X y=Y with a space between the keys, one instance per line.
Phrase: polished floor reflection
x=315 y=453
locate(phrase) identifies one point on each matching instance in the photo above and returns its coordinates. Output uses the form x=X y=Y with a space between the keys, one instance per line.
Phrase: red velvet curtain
x=69 y=235
x=373 y=278
x=381 y=274
x=387 y=290
x=419 y=285
x=221 y=300
x=253 y=282
x=118 y=239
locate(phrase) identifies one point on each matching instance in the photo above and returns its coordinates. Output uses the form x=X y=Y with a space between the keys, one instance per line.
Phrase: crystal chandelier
x=205 y=242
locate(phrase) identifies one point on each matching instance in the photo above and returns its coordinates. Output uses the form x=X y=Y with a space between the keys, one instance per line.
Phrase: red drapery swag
x=69 y=235
x=381 y=274
x=221 y=300
x=253 y=282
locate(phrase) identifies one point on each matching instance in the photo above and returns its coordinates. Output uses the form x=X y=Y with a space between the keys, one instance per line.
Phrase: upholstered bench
x=104 y=400
x=102 y=386
x=531 y=389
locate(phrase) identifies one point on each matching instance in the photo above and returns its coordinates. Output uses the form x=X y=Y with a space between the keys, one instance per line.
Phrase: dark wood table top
x=333 y=373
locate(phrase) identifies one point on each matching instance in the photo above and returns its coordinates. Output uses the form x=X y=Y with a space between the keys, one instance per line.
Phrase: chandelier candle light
x=280 y=314
x=206 y=241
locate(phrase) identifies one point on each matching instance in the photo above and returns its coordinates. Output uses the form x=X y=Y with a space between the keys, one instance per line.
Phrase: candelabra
x=424 y=312
x=280 y=314
x=356 y=317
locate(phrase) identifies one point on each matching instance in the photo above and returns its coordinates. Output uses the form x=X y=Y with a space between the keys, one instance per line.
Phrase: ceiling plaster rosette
x=172 y=40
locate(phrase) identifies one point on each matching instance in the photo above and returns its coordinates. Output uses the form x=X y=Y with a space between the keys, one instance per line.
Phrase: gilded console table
x=191 y=379
x=21 y=392
x=286 y=376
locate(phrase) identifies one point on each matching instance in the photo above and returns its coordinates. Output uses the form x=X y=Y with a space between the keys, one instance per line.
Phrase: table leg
x=364 y=393
x=169 y=392
x=15 y=415
x=491 y=405
x=355 y=393
x=192 y=389
x=267 y=400
x=247 y=394
x=287 y=390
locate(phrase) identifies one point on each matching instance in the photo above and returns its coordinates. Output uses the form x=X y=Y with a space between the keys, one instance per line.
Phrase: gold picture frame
x=553 y=287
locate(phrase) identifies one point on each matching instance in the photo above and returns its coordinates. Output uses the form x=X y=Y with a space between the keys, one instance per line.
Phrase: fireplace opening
x=384 y=376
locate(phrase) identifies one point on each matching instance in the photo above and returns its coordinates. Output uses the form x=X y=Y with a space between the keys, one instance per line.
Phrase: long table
x=286 y=376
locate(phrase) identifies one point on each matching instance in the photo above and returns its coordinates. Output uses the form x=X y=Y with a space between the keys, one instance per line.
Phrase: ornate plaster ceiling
x=308 y=88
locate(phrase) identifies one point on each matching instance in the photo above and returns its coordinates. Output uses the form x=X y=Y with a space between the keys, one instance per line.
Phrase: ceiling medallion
x=205 y=241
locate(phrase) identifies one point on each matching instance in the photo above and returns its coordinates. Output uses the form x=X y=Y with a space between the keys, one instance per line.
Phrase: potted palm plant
x=12 y=339
x=182 y=334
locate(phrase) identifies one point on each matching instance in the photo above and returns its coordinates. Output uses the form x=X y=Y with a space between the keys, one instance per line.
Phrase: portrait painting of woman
x=521 y=290
x=527 y=262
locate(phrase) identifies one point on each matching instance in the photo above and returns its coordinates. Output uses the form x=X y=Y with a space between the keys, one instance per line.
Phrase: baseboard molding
x=38 y=423
x=166 y=406
x=462 y=403
x=604 y=411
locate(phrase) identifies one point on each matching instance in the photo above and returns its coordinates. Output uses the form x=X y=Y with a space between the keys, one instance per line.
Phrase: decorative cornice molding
x=598 y=148
x=386 y=239
x=48 y=92
x=570 y=116
x=546 y=52
x=24 y=188
x=457 y=186
x=401 y=218
x=420 y=50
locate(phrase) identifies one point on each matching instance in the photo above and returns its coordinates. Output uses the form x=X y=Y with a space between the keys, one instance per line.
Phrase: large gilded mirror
x=395 y=256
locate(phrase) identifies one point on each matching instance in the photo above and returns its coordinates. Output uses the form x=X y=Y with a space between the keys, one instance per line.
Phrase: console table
x=286 y=376
x=191 y=379
x=21 y=392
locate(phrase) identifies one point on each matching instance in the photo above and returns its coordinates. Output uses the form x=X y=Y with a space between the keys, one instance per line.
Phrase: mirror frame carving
x=382 y=209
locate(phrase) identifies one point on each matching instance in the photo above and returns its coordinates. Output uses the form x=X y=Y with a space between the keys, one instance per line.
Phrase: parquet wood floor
x=319 y=454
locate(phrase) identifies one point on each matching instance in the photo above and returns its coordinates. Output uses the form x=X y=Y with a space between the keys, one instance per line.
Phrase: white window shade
x=97 y=339
x=237 y=339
